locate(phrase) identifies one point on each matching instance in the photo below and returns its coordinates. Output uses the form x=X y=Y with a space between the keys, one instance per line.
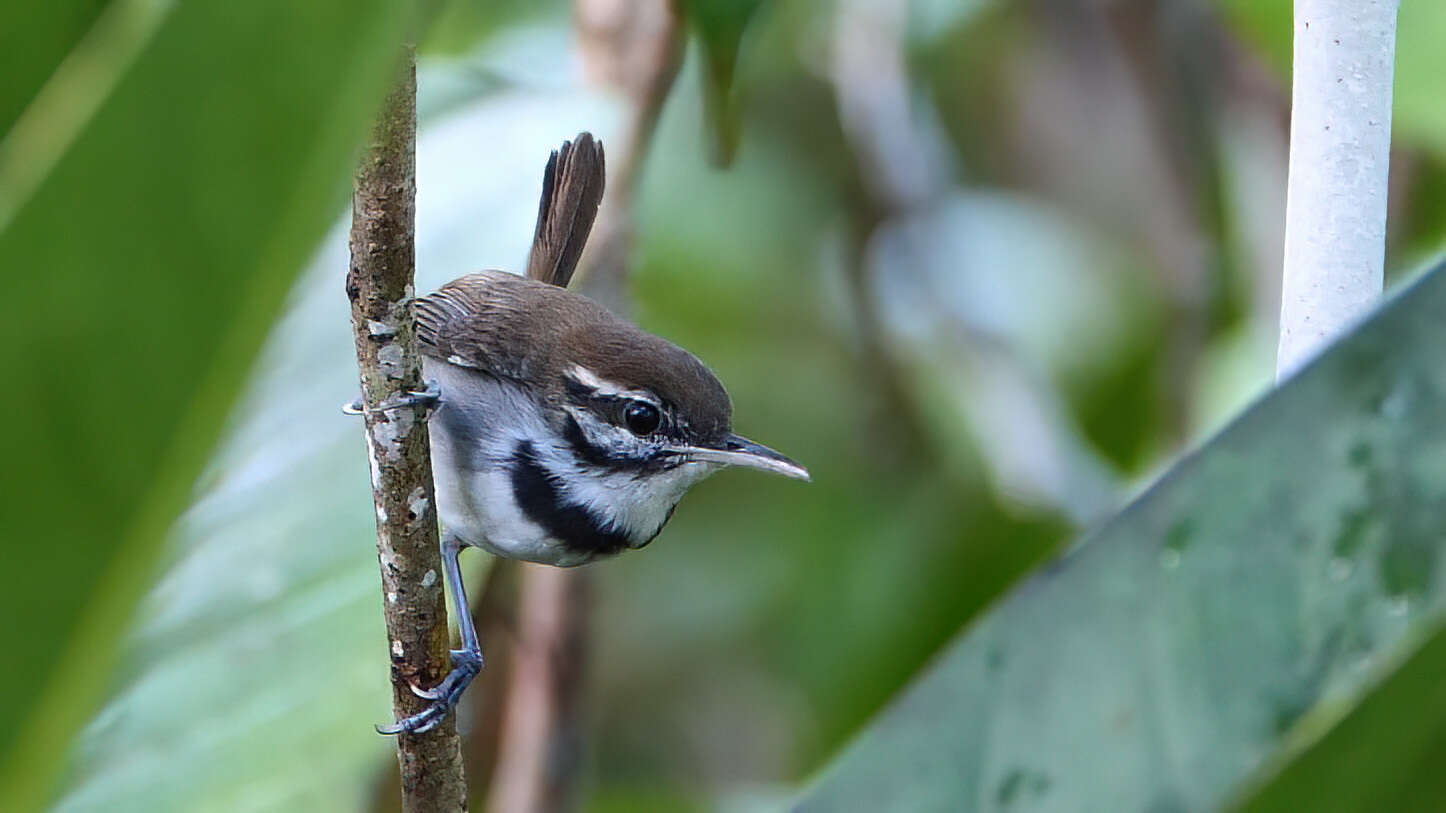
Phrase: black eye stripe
x=587 y=451
x=577 y=391
x=597 y=456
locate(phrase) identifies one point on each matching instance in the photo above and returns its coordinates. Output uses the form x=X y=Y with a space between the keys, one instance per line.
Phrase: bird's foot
x=466 y=663
x=427 y=399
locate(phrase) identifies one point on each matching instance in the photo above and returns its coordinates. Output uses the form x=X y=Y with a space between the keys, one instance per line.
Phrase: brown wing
x=572 y=189
x=472 y=321
x=502 y=324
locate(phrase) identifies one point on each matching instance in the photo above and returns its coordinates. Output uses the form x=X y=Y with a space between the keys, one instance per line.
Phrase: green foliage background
x=1085 y=290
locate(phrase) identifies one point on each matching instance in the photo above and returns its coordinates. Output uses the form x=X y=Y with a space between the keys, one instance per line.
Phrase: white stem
x=1340 y=142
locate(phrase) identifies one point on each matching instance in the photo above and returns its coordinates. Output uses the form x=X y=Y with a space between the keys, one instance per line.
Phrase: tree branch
x=379 y=286
x=1340 y=150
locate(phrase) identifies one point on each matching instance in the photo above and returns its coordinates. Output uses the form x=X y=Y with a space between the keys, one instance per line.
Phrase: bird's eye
x=642 y=418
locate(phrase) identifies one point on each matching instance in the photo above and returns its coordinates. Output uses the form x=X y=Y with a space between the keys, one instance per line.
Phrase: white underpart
x=474 y=485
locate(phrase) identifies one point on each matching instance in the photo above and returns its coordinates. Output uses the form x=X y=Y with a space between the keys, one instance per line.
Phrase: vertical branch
x=379 y=286
x=1340 y=142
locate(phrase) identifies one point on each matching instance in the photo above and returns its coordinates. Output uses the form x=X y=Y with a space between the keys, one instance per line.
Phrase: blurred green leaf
x=147 y=265
x=1266 y=24
x=1280 y=570
x=258 y=664
x=35 y=37
x=720 y=25
x=459 y=26
x=1385 y=755
x=250 y=679
x=1420 y=64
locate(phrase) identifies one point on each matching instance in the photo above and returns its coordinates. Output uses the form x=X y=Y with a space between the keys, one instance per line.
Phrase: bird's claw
x=427 y=399
x=444 y=696
x=419 y=723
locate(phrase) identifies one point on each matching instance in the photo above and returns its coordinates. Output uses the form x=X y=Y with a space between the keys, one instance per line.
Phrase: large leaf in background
x=1279 y=571
x=146 y=266
x=1386 y=755
x=35 y=37
x=259 y=663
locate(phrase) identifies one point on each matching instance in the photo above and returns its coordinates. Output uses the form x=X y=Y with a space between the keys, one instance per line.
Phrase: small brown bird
x=562 y=433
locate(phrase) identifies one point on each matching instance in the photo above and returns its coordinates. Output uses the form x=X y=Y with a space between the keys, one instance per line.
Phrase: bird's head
x=647 y=420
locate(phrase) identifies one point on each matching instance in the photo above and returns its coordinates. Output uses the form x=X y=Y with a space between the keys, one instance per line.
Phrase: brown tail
x=572 y=189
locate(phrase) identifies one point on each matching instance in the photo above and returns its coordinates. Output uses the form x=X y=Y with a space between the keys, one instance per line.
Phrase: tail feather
x=572 y=189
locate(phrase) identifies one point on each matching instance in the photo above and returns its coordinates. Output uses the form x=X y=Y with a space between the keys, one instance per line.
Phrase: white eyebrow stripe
x=461 y=362
x=603 y=387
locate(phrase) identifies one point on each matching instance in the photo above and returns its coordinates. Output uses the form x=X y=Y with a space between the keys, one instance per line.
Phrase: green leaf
x=146 y=260
x=457 y=27
x=720 y=25
x=1386 y=755
x=259 y=661
x=1280 y=570
x=35 y=38
x=1267 y=25
x=1420 y=64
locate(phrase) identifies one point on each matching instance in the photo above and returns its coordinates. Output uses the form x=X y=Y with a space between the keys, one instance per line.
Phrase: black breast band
x=542 y=502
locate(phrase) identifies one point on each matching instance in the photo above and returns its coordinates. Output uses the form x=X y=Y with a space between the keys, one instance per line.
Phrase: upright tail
x=572 y=189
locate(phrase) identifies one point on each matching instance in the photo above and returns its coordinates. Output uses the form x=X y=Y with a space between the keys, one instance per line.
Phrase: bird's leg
x=427 y=399
x=466 y=662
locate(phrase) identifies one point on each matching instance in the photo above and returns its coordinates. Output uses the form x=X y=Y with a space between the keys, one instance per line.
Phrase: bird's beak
x=740 y=451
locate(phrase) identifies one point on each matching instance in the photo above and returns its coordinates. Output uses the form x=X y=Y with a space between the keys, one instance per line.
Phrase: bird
x=560 y=432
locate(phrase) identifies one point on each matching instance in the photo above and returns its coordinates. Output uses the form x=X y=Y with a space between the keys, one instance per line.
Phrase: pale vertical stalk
x=1340 y=142
x=379 y=285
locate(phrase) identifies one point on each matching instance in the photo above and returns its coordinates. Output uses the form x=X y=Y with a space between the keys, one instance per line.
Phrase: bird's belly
x=475 y=500
x=482 y=512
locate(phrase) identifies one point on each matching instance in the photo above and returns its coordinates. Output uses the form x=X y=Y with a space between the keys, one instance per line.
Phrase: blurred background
x=984 y=267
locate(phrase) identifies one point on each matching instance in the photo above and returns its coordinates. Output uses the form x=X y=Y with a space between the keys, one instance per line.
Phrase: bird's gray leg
x=427 y=399
x=466 y=662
